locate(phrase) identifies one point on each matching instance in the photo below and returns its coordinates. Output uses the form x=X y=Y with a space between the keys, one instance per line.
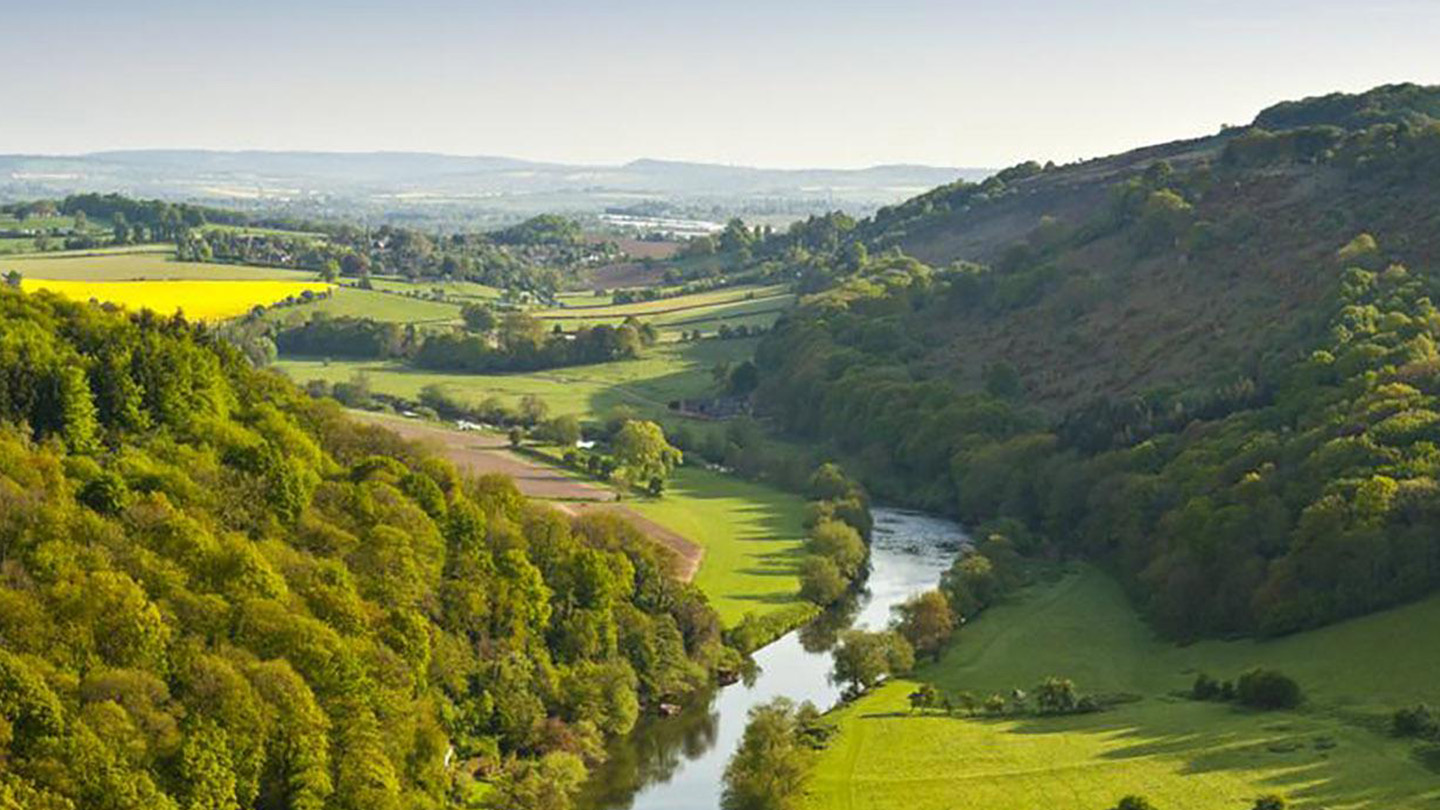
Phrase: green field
x=668 y=371
x=357 y=303
x=1182 y=754
x=259 y=231
x=146 y=263
x=647 y=309
x=752 y=536
x=464 y=290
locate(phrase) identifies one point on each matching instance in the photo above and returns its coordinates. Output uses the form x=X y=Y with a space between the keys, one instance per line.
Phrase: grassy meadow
x=380 y=306
x=668 y=371
x=1183 y=755
x=752 y=536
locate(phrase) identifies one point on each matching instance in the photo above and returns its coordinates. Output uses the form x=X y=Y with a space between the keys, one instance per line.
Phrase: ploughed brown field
x=485 y=453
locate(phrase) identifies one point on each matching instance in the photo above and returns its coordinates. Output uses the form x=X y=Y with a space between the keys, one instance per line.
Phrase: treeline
x=388 y=250
x=216 y=592
x=135 y=221
x=1307 y=497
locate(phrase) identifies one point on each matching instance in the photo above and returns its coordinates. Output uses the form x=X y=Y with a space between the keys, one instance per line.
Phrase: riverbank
x=1182 y=754
x=676 y=763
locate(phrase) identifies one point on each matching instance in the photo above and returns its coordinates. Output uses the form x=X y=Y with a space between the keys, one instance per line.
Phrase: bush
x=1270 y=802
x=1416 y=721
x=1205 y=688
x=1134 y=803
x=1268 y=689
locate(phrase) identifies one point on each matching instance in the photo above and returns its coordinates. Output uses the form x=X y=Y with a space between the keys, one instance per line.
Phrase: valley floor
x=1181 y=754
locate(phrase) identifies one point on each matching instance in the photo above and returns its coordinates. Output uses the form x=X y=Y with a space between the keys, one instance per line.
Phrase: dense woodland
x=216 y=592
x=1301 y=492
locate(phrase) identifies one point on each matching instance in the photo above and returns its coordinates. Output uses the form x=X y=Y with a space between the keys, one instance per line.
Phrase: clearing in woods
x=1333 y=753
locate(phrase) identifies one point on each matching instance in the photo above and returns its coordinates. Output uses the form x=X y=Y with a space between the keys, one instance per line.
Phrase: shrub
x=1205 y=688
x=1416 y=721
x=1268 y=689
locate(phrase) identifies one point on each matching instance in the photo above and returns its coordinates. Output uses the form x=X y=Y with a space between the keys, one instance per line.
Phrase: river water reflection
x=676 y=763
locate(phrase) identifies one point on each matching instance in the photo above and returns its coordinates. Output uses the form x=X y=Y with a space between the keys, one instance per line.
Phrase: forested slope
x=217 y=593
x=1212 y=364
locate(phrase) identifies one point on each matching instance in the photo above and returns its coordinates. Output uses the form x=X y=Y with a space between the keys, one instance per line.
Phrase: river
x=676 y=763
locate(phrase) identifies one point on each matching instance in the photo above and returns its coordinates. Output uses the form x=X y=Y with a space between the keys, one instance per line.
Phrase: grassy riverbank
x=752 y=536
x=1183 y=755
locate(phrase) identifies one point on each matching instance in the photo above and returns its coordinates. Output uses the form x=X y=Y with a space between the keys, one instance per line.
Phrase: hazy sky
x=803 y=83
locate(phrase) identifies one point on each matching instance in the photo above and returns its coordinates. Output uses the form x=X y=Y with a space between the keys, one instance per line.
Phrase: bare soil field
x=482 y=453
x=625 y=274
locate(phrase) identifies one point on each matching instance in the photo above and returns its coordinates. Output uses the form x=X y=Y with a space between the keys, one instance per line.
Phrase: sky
x=804 y=83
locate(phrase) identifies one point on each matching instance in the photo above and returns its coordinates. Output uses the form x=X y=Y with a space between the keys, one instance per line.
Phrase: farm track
x=550 y=315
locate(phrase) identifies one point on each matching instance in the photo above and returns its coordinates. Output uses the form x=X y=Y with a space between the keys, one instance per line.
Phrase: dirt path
x=688 y=554
x=481 y=453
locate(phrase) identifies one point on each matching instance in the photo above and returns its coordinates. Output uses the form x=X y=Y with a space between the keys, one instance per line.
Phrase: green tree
x=770 y=768
x=926 y=697
x=926 y=621
x=821 y=581
x=643 y=453
x=479 y=318
x=1268 y=689
x=533 y=409
x=1056 y=696
x=562 y=430
x=841 y=544
x=548 y=784
x=862 y=658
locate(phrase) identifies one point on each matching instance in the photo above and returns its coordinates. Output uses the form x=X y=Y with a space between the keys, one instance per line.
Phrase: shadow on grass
x=1308 y=757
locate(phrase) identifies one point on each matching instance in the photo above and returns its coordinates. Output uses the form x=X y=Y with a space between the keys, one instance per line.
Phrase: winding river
x=676 y=763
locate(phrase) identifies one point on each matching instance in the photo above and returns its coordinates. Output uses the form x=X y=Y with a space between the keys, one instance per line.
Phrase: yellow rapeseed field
x=198 y=300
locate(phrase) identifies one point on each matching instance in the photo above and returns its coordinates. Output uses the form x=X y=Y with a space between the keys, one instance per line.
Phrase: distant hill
x=397 y=183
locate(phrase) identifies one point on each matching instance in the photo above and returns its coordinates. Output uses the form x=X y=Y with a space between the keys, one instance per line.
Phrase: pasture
x=198 y=300
x=138 y=263
x=660 y=306
x=666 y=372
x=752 y=536
x=1181 y=754
x=466 y=290
x=380 y=306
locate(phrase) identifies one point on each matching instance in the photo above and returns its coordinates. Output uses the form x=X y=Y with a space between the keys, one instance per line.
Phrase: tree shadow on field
x=1305 y=755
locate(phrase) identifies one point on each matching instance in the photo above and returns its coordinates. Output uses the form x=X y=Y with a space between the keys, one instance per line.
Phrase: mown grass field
x=198 y=300
x=147 y=263
x=1183 y=755
x=381 y=306
x=646 y=309
x=752 y=536
x=666 y=372
x=465 y=290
